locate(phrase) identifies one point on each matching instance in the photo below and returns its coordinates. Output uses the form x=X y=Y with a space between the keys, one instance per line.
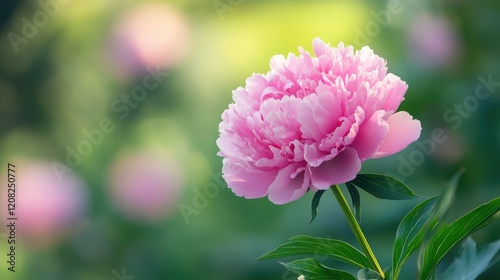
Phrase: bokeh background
x=110 y=111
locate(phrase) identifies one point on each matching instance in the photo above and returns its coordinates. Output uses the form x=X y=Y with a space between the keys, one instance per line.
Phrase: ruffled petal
x=370 y=135
x=290 y=184
x=403 y=130
x=247 y=182
x=395 y=91
x=342 y=168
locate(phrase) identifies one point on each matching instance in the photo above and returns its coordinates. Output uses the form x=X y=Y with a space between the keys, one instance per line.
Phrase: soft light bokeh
x=432 y=41
x=144 y=186
x=48 y=205
x=149 y=35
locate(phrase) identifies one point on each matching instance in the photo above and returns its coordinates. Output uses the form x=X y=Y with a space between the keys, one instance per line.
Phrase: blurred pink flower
x=432 y=41
x=310 y=122
x=145 y=187
x=149 y=35
x=46 y=205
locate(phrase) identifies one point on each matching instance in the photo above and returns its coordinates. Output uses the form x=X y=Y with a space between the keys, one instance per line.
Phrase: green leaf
x=449 y=235
x=368 y=274
x=356 y=200
x=383 y=187
x=448 y=196
x=388 y=275
x=470 y=263
x=411 y=232
x=307 y=245
x=440 y=210
x=312 y=269
x=315 y=204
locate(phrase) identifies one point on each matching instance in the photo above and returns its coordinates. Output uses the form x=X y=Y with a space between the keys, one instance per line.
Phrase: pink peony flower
x=310 y=122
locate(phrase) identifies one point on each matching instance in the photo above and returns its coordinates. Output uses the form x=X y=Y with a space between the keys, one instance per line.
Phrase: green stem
x=357 y=230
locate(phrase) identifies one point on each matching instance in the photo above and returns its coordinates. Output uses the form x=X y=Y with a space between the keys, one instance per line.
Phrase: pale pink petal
x=395 y=91
x=356 y=119
x=342 y=168
x=308 y=126
x=312 y=155
x=247 y=182
x=370 y=135
x=328 y=110
x=277 y=62
x=289 y=185
x=403 y=130
x=320 y=47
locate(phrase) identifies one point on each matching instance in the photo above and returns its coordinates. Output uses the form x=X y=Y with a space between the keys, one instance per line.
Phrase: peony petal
x=370 y=135
x=328 y=110
x=403 y=130
x=308 y=126
x=320 y=47
x=312 y=155
x=247 y=182
x=289 y=185
x=319 y=114
x=342 y=168
x=356 y=120
x=277 y=62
